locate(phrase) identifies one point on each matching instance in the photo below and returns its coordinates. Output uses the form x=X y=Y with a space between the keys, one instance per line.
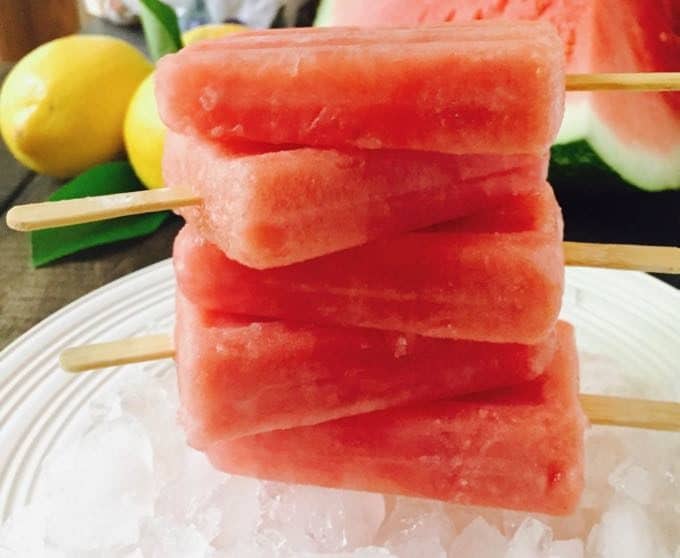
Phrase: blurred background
x=26 y=24
x=41 y=155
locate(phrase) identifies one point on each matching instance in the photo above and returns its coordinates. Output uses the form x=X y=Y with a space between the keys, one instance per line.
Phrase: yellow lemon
x=145 y=135
x=62 y=106
x=214 y=31
x=144 y=131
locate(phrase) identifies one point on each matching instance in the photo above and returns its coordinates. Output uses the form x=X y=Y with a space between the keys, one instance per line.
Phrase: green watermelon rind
x=573 y=161
x=577 y=163
x=323 y=14
x=634 y=166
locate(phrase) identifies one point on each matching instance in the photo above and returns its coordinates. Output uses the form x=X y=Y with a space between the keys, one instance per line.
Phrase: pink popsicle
x=520 y=448
x=241 y=376
x=267 y=208
x=463 y=280
x=483 y=87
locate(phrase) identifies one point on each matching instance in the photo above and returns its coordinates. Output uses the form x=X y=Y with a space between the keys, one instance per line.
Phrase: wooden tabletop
x=28 y=295
x=593 y=212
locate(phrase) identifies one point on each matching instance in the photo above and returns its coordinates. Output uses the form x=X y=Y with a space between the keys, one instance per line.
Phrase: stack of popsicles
x=368 y=294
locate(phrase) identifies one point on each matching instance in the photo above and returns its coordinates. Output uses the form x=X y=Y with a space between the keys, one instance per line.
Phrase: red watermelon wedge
x=636 y=134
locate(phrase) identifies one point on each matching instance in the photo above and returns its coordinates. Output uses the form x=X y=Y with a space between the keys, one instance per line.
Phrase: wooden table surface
x=28 y=295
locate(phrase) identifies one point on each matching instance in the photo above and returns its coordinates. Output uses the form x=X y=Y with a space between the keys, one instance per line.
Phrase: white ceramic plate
x=625 y=317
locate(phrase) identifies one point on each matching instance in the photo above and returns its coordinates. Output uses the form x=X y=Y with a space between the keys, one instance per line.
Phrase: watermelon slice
x=240 y=376
x=460 y=280
x=271 y=208
x=637 y=135
x=519 y=448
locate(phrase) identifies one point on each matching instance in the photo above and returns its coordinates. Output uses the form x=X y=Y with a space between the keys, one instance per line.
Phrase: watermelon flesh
x=636 y=134
x=470 y=89
x=240 y=376
x=460 y=280
x=273 y=208
x=519 y=447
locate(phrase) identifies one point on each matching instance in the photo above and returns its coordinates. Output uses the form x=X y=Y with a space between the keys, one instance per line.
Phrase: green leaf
x=161 y=28
x=109 y=178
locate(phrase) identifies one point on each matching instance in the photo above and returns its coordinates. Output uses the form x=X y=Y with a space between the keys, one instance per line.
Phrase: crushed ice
x=129 y=487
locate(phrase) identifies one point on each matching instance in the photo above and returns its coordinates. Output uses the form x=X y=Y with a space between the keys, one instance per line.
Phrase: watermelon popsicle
x=520 y=447
x=495 y=276
x=267 y=207
x=233 y=371
x=484 y=88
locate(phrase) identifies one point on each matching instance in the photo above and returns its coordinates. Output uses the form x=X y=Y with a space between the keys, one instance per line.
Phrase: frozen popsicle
x=495 y=276
x=520 y=447
x=483 y=87
x=266 y=208
x=240 y=376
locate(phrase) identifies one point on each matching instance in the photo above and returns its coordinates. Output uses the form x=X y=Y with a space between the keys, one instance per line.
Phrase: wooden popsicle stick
x=654 y=259
x=45 y=215
x=117 y=353
x=641 y=81
x=600 y=409
x=633 y=413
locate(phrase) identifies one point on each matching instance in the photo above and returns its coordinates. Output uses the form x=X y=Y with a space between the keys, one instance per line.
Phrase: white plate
x=626 y=317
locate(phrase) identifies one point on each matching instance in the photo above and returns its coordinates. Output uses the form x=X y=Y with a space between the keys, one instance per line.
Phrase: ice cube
x=238 y=499
x=625 y=532
x=207 y=521
x=97 y=490
x=153 y=402
x=163 y=537
x=182 y=496
x=531 y=540
x=417 y=528
x=479 y=540
x=572 y=548
x=23 y=534
x=657 y=453
x=633 y=481
x=562 y=527
x=511 y=521
x=605 y=450
x=314 y=519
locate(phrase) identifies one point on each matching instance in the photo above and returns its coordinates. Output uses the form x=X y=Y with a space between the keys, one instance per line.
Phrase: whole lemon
x=144 y=130
x=211 y=31
x=145 y=135
x=62 y=106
